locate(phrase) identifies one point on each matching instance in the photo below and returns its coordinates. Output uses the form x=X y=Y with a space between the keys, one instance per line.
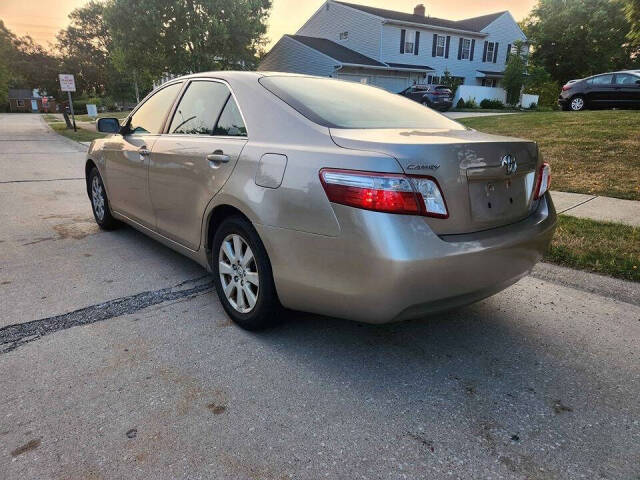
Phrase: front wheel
x=577 y=104
x=242 y=275
x=100 y=202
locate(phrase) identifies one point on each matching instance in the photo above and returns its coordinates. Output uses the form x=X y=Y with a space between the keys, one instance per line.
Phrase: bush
x=460 y=103
x=533 y=106
x=492 y=104
x=471 y=103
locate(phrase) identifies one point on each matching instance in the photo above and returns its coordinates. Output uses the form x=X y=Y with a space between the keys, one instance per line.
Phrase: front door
x=600 y=91
x=127 y=157
x=627 y=89
x=193 y=160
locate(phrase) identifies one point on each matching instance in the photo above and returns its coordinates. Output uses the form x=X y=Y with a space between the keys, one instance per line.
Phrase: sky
x=43 y=18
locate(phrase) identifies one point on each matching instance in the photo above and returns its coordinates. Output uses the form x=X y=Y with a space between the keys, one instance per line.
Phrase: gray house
x=394 y=49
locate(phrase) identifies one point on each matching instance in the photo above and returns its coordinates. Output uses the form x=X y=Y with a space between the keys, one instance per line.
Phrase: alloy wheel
x=238 y=273
x=97 y=197
x=577 y=104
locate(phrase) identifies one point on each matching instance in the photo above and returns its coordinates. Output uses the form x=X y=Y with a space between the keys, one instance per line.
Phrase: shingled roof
x=475 y=24
x=337 y=51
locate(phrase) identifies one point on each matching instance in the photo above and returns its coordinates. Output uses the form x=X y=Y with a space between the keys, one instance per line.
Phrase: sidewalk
x=601 y=209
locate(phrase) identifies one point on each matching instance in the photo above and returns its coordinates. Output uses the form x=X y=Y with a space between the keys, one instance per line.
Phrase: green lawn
x=593 y=152
x=87 y=118
x=81 y=135
x=608 y=248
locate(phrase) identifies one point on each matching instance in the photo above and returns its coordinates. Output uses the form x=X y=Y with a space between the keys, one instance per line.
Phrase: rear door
x=627 y=88
x=127 y=156
x=600 y=90
x=191 y=162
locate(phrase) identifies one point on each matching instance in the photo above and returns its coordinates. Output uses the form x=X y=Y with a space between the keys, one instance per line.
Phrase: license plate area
x=501 y=199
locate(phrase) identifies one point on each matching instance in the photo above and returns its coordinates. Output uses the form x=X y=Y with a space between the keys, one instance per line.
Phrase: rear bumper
x=384 y=268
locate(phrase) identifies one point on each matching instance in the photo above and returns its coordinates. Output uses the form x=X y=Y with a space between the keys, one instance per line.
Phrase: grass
x=592 y=152
x=87 y=118
x=81 y=135
x=607 y=248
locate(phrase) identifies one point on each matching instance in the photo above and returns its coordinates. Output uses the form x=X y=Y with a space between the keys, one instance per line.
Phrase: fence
x=478 y=93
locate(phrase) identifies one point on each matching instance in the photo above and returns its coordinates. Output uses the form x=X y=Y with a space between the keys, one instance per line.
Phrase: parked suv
x=438 y=97
x=607 y=90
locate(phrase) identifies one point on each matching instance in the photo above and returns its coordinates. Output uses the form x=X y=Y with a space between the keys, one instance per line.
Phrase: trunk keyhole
x=510 y=200
x=489 y=204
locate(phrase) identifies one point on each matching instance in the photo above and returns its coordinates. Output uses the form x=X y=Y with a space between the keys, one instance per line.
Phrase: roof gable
x=336 y=51
x=475 y=24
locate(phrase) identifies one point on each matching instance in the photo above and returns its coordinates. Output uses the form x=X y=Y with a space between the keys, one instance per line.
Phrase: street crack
x=14 y=336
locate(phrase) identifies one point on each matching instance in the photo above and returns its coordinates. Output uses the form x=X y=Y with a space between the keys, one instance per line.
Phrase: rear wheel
x=242 y=275
x=100 y=202
x=577 y=103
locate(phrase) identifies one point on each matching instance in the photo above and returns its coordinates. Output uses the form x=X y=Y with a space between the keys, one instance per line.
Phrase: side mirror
x=108 y=125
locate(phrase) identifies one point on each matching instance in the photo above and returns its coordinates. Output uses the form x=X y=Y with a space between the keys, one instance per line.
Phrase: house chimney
x=419 y=10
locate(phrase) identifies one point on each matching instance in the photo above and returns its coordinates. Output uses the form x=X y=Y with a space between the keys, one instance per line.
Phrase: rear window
x=341 y=104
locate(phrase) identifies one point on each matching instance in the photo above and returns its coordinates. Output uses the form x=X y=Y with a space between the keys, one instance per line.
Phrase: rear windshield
x=341 y=104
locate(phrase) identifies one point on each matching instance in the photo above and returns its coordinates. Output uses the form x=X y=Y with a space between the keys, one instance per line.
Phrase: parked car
x=323 y=195
x=438 y=97
x=608 y=90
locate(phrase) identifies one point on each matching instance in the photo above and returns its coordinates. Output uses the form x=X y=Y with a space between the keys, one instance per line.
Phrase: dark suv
x=437 y=97
x=607 y=90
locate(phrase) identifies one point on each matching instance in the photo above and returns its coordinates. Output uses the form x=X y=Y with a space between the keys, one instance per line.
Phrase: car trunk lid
x=487 y=181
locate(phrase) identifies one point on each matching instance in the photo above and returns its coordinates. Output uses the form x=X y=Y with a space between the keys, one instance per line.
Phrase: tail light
x=384 y=192
x=544 y=180
x=566 y=87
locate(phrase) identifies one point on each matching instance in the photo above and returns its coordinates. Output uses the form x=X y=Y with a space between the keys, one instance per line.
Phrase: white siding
x=289 y=55
x=363 y=28
x=503 y=30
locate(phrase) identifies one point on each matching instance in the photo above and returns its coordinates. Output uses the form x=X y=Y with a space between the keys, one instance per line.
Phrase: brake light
x=544 y=180
x=566 y=87
x=384 y=192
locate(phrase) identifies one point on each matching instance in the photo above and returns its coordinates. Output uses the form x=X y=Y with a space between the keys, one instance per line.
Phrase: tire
x=577 y=103
x=100 y=202
x=244 y=280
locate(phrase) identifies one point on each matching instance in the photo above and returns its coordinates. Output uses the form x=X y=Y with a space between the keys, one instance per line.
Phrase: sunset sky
x=43 y=18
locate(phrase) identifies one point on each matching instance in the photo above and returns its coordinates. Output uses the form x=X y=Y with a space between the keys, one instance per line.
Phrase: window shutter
x=495 y=53
x=403 y=33
x=417 y=44
x=446 y=49
x=460 y=49
x=508 y=51
x=484 y=54
x=473 y=47
x=435 y=44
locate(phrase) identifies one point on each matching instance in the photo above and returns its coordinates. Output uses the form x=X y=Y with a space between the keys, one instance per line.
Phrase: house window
x=433 y=80
x=20 y=103
x=409 y=42
x=344 y=35
x=440 y=45
x=491 y=49
x=490 y=82
x=466 y=48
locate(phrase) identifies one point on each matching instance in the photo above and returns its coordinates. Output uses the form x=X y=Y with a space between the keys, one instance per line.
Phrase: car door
x=600 y=91
x=127 y=156
x=193 y=159
x=627 y=88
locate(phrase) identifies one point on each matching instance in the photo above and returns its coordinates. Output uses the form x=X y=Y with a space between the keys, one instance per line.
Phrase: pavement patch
x=14 y=336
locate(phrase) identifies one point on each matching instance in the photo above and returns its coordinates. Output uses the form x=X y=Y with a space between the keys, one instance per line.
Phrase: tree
x=632 y=10
x=514 y=72
x=451 y=82
x=84 y=46
x=577 y=38
x=152 y=37
x=7 y=54
x=539 y=82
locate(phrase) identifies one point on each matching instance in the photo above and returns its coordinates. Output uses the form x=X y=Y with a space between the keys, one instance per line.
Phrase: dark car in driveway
x=438 y=97
x=607 y=90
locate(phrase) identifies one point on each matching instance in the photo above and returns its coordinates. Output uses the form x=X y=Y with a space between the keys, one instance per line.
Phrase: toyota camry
x=322 y=195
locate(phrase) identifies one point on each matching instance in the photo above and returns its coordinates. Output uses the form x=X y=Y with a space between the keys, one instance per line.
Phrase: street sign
x=92 y=110
x=67 y=82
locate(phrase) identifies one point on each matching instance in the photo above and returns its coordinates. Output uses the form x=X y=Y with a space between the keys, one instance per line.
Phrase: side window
x=626 y=79
x=150 y=116
x=230 y=123
x=600 y=80
x=199 y=108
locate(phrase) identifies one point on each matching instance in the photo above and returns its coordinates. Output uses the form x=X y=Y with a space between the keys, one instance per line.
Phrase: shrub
x=492 y=104
x=471 y=103
x=533 y=106
x=460 y=103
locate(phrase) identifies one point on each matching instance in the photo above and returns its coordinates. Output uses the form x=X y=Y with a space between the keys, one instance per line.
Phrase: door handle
x=144 y=151
x=218 y=156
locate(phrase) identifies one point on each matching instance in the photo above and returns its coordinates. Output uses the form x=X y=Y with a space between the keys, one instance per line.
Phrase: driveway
x=117 y=361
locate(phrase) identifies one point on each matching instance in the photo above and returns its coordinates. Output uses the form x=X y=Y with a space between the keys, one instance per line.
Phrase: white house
x=394 y=49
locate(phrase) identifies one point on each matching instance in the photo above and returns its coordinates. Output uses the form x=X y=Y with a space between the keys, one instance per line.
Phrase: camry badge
x=509 y=163
x=415 y=166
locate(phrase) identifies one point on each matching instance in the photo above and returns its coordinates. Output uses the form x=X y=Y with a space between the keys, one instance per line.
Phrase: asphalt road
x=117 y=361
